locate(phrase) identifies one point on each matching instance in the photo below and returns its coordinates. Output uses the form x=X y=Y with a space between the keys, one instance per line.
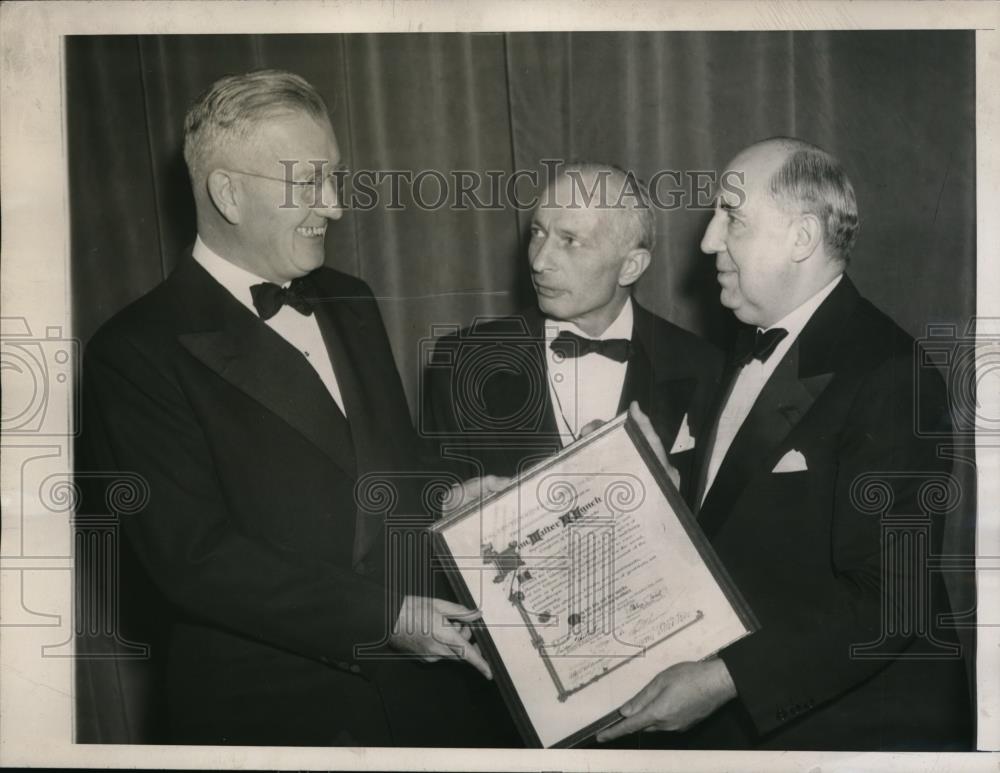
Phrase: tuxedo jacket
x=486 y=394
x=832 y=554
x=272 y=574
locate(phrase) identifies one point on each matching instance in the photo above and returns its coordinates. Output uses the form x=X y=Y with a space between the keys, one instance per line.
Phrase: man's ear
x=222 y=188
x=635 y=264
x=807 y=235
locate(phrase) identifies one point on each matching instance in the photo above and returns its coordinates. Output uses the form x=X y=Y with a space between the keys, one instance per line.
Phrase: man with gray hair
x=252 y=390
x=508 y=392
x=811 y=488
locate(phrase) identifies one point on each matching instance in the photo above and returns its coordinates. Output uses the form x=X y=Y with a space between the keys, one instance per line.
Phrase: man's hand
x=590 y=426
x=472 y=490
x=654 y=441
x=435 y=629
x=677 y=698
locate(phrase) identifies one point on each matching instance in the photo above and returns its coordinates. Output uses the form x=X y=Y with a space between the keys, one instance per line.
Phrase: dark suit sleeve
x=802 y=658
x=136 y=418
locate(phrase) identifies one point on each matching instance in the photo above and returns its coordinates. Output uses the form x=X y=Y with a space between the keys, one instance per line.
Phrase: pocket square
x=684 y=440
x=793 y=461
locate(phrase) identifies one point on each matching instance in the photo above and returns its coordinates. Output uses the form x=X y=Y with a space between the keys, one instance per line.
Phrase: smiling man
x=250 y=391
x=508 y=392
x=813 y=491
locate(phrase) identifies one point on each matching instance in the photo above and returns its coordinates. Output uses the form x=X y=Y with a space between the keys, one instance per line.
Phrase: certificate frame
x=521 y=661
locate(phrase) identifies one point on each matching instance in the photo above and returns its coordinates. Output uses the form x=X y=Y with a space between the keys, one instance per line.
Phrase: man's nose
x=329 y=204
x=540 y=259
x=713 y=241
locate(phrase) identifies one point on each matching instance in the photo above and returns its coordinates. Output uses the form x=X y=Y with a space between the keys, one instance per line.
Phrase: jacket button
x=355 y=669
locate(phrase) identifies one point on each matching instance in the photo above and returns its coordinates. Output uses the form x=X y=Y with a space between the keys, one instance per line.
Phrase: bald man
x=811 y=490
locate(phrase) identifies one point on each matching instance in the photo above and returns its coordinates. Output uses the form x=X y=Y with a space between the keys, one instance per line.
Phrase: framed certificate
x=592 y=577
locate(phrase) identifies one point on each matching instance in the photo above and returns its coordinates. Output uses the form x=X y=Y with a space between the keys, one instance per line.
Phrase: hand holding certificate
x=592 y=579
x=677 y=698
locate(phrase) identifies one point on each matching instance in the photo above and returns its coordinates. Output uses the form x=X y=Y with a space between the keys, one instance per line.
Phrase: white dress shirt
x=582 y=389
x=299 y=330
x=752 y=378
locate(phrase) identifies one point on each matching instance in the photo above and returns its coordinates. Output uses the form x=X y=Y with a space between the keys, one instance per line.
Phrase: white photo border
x=36 y=693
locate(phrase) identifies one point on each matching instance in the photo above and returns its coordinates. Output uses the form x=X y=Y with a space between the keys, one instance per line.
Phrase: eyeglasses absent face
x=577 y=259
x=751 y=238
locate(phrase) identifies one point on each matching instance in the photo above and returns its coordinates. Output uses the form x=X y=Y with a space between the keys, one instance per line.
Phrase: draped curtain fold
x=896 y=107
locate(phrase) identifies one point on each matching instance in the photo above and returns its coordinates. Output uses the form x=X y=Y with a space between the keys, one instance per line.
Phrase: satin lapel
x=548 y=426
x=344 y=331
x=798 y=381
x=664 y=398
x=523 y=391
x=638 y=378
x=781 y=404
x=260 y=363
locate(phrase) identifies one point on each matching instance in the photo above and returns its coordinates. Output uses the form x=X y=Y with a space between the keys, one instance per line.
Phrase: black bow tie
x=761 y=347
x=571 y=345
x=268 y=298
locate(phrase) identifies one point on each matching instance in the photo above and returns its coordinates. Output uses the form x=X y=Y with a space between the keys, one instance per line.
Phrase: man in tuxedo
x=252 y=390
x=813 y=489
x=508 y=392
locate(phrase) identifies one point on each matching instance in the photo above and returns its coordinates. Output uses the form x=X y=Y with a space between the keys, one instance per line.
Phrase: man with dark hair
x=508 y=392
x=811 y=488
x=252 y=390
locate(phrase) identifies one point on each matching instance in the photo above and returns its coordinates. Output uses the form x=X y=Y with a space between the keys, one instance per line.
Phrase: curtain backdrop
x=896 y=107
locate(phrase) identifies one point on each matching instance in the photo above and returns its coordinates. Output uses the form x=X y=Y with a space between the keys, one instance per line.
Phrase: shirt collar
x=797 y=318
x=235 y=279
x=620 y=328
